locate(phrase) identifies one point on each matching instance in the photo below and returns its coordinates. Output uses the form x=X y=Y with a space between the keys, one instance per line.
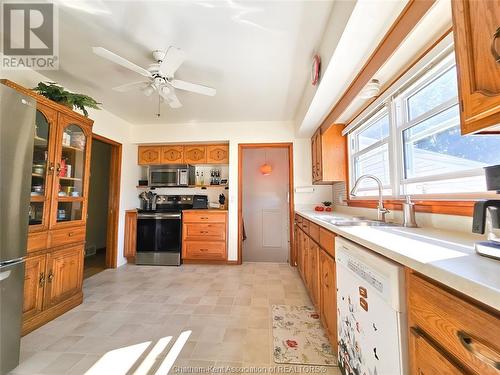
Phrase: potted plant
x=327 y=205
x=54 y=92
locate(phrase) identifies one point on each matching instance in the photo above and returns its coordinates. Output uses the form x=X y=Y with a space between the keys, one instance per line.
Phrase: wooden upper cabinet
x=149 y=155
x=476 y=26
x=172 y=155
x=196 y=154
x=218 y=154
x=72 y=172
x=328 y=156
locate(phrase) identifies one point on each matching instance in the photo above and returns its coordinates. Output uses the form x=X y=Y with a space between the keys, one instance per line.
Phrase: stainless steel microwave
x=171 y=175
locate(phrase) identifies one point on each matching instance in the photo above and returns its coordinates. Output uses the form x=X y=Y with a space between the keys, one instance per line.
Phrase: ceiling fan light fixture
x=148 y=90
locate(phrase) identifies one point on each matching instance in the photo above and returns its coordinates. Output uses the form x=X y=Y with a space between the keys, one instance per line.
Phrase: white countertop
x=445 y=256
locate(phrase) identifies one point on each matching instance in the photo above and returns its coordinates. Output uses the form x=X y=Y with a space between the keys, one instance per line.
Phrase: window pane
x=456 y=185
x=435 y=93
x=375 y=162
x=435 y=146
x=373 y=133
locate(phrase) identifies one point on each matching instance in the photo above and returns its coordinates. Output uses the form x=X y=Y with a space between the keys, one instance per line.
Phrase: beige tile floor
x=128 y=310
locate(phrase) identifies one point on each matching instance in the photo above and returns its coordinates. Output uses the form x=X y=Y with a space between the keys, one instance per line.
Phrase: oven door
x=163 y=177
x=159 y=232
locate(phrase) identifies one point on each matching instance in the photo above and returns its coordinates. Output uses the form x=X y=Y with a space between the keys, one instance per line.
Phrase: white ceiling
x=256 y=54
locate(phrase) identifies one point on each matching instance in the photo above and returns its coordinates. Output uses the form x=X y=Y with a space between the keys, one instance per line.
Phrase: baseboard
x=203 y=261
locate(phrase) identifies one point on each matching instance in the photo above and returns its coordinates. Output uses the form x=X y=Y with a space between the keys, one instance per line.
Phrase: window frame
x=395 y=101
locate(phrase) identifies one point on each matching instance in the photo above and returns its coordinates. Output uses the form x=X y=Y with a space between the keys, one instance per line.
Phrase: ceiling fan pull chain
x=159 y=109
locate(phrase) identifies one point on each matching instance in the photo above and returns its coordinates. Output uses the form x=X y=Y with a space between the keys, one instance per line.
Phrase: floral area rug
x=299 y=337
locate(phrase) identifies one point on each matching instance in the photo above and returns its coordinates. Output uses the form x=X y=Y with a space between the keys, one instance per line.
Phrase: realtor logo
x=29 y=36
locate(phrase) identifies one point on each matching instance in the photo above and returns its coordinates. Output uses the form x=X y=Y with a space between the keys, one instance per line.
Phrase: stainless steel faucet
x=381 y=210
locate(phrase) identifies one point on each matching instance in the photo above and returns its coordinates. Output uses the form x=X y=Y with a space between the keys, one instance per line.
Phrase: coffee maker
x=487 y=216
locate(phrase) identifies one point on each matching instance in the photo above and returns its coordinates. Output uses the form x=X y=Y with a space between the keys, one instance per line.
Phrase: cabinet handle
x=51 y=276
x=70 y=234
x=51 y=168
x=41 y=280
x=204 y=218
x=479 y=350
x=203 y=249
x=494 y=51
x=58 y=169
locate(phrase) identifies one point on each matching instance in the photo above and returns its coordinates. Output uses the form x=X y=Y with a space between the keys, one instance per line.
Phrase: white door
x=265 y=205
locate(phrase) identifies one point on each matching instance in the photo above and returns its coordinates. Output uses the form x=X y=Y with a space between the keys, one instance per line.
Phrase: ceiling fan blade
x=132 y=86
x=170 y=98
x=174 y=57
x=193 y=87
x=113 y=57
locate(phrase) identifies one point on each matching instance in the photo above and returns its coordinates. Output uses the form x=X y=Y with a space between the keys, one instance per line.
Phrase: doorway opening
x=103 y=206
x=265 y=202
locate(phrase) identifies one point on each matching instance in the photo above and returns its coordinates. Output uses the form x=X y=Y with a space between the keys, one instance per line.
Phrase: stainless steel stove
x=159 y=231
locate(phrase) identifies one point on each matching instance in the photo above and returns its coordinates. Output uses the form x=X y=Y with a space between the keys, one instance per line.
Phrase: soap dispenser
x=409 y=214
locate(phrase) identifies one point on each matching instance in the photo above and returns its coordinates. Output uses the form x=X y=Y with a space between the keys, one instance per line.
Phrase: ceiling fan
x=160 y=75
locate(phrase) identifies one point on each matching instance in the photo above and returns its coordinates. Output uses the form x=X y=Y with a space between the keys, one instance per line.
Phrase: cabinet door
x=319 y=156
x=314 y=272
x=427 y=359
x=34 y=283
x=299 y=245
x=72 y=159
x=476 y=26
x=42 y=173
x=305 y=258
x=130 y=244
x=218 y=154
x=148 y=155
x=64 y=274
x=195 y=154
x=313 y=158
x=328 y=297
x=172 y=155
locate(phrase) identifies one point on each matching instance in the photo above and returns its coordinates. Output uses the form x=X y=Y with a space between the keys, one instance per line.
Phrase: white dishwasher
x=371 y=312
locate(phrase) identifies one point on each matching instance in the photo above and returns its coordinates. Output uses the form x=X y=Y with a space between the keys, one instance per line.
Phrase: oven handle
x=158 y=216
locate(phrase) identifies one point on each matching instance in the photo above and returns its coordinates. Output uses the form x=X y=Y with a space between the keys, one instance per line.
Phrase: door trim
x=289 y=147
x=115 y=168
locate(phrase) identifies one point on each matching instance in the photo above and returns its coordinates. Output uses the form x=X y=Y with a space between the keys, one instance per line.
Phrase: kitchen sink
x=357 y=222
x=363 y=223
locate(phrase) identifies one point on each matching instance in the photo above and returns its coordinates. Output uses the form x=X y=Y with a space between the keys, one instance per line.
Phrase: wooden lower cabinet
x=34 y=283
x=130 y=242
x=461 y=331
x=204 y=236
x=428 y=359
x=328 y=296
x=52 y=285
x=64 y=274
x=314 y=272
x=316 y=265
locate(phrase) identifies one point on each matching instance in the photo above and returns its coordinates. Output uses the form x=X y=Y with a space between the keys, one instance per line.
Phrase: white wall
x=236 y=133
x=107 y=125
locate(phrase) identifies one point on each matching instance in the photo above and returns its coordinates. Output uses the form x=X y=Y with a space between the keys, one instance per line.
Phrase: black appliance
x=487 y=216
x=159 y=231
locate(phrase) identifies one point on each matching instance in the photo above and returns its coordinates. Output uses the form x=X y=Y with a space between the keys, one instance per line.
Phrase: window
x=412 y=140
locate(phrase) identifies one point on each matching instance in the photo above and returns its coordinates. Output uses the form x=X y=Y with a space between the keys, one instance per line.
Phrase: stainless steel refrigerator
x=17 y=127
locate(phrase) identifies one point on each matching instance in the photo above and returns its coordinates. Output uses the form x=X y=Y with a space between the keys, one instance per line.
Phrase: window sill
x=445 y=207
